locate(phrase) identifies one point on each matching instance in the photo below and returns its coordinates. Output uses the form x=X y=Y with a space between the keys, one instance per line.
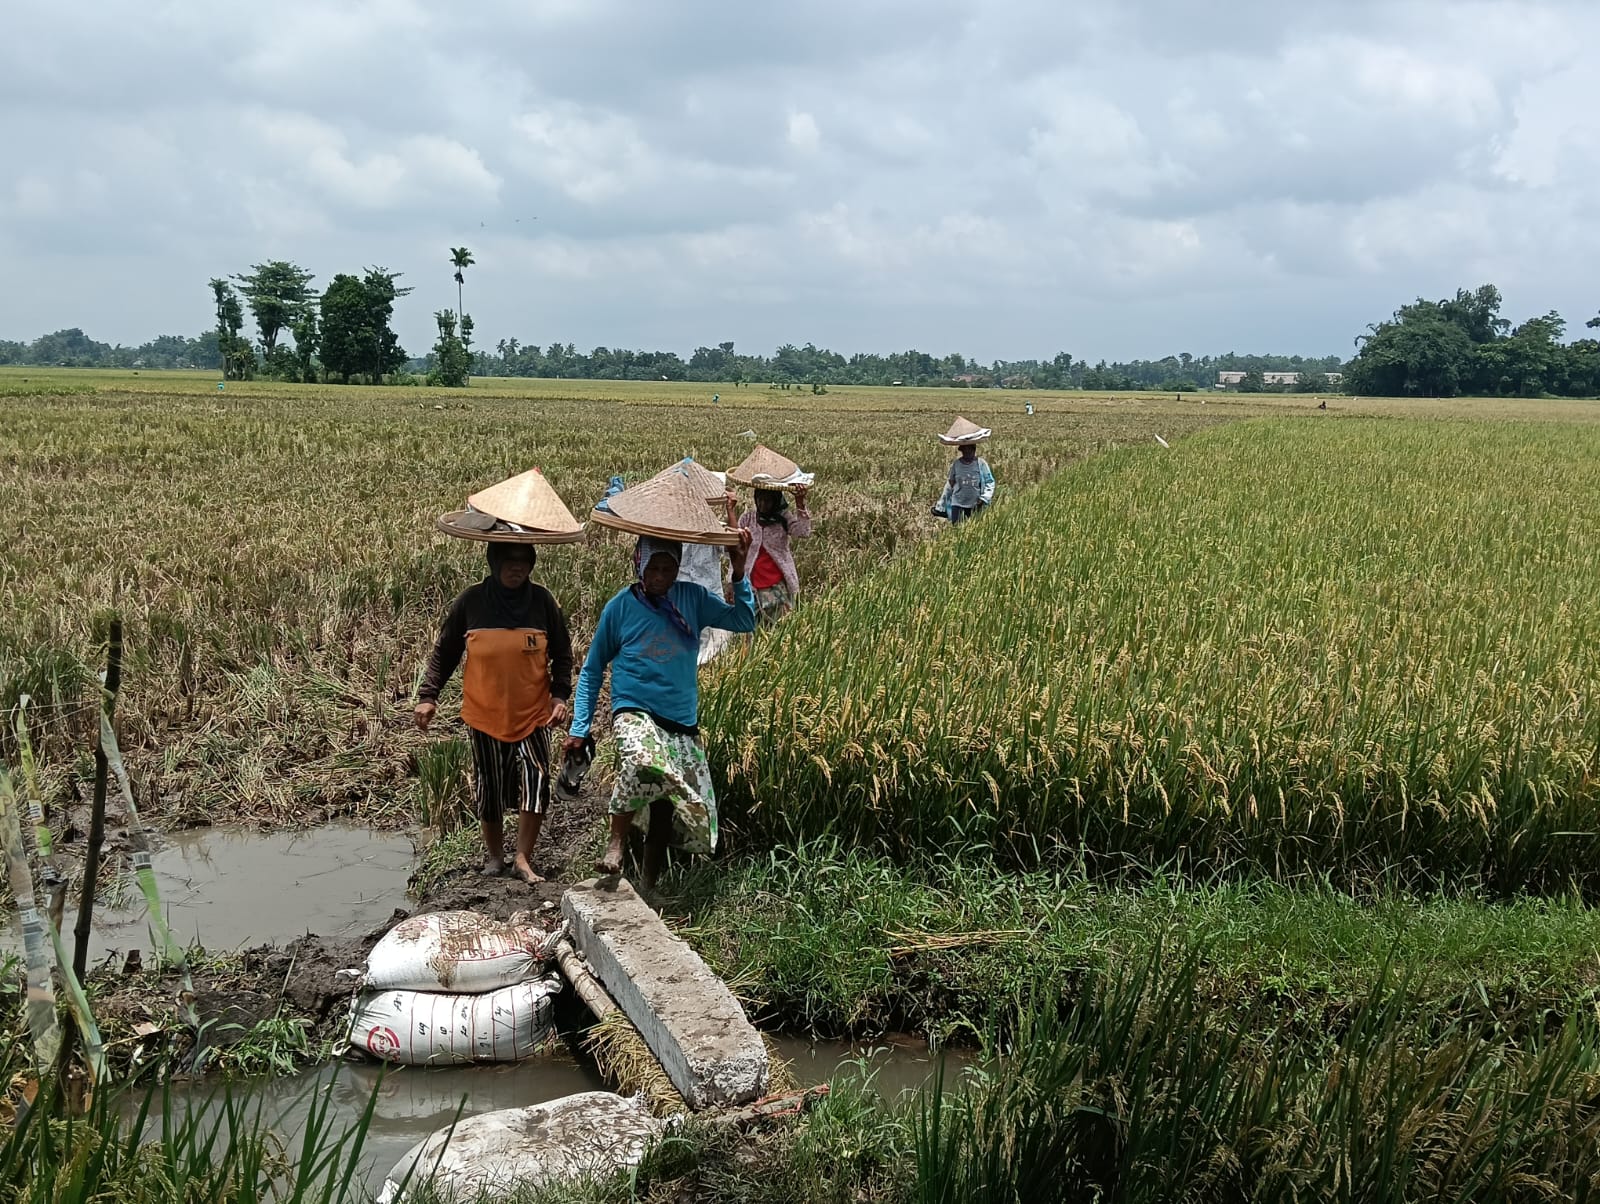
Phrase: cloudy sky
x=1004 y=178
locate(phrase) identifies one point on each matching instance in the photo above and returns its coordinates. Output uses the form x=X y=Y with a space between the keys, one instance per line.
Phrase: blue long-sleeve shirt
x=654 y=667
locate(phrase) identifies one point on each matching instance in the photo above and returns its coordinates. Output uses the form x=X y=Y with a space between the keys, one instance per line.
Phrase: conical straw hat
x=763 y=463
x=668 y=506
x=962 y=431
x=711 y=486
x=523 y=509
x=528 y=501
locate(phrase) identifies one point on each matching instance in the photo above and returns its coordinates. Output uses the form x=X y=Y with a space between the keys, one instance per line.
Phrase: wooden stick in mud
x=796 y=1103
x=97 y=816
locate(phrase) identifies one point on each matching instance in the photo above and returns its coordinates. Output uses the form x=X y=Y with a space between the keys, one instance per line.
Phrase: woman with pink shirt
x=772 y=572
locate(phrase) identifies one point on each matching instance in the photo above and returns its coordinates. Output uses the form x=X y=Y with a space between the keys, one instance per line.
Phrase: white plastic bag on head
x=460 y=952
x=424 y=1028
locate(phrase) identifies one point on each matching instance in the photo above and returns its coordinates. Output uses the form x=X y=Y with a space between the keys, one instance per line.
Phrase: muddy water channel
x=231 y=890
x=228 y=889
x=414 y=1101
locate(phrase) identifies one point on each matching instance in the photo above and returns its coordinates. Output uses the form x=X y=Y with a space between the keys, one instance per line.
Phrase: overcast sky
x=1004 y=178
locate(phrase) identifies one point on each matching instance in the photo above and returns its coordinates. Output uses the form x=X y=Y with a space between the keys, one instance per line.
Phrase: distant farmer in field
x=771 y=527
x=969 y=484
x=772 y=571
x=648 y=636
x=518 y=674
x=515 y=687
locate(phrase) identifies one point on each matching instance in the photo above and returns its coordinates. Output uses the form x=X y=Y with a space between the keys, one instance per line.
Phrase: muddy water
x=891 y=1068
x=229 y=889
x=414 y=1102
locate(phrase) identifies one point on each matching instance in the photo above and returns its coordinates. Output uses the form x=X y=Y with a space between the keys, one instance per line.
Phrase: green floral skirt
x=657 y=764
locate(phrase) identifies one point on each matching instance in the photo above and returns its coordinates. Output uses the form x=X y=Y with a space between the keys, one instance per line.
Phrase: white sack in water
x=461 y=952
x=427 y=1028
x=497 y=1153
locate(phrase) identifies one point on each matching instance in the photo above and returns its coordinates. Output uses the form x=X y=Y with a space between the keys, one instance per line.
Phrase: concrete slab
x=684 y=1012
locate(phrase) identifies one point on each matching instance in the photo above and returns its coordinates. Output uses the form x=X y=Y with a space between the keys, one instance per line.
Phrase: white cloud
x=803 y=132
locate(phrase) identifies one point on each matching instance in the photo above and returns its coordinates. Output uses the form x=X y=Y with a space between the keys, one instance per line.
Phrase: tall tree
x=356 y=336
x=237 y=360
x=307 y=336
x=452 y=354
x=384 y=353
x=461 y=259
x=345 y=316
x=276 y=291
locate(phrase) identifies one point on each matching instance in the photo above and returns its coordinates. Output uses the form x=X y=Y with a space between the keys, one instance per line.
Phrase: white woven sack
x=423 y=1028
x=460 y=952
x=495 y=1154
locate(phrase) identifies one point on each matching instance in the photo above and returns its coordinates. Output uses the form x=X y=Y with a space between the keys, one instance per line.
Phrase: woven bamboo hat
x=961 y=431
x=523 y=509
x=764 y=468
x=668 y=506
x=712 y=485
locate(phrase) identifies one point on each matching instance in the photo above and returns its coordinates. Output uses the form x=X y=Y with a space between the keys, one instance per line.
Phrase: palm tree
x=461 y=259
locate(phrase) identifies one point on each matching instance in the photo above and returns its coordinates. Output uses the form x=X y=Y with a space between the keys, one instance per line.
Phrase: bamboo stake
x=139 y=839
x=97 y=816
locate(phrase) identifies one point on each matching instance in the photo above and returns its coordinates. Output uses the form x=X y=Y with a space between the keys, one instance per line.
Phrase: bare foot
x=523 y=870
x=493 y=867
x=611 y=864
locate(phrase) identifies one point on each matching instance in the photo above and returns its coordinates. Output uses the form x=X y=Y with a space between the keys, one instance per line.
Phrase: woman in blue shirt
x=649 y=635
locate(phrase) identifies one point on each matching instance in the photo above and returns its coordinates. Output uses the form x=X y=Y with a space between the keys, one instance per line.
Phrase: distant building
x=1232 y=380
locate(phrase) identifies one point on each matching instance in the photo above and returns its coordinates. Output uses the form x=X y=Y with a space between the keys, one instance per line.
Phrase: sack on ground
x=498 y=1153
x=424 y=1028
x=460 y=952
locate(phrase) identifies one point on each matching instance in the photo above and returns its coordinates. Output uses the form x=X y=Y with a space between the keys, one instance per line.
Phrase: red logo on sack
x=381 y=1040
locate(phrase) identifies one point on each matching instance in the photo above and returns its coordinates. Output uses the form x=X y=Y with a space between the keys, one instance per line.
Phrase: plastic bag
x=423 y=1028
x=460 y=952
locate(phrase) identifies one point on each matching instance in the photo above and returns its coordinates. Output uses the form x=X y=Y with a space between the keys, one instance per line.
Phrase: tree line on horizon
x=345 y=334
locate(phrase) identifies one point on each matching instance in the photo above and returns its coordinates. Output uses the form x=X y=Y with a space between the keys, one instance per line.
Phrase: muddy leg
x=611 y=863
x=655 y=841
x=494 y=840
x=528 y=825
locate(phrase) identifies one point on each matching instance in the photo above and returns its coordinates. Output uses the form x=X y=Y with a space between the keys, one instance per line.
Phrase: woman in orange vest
x=514 y=689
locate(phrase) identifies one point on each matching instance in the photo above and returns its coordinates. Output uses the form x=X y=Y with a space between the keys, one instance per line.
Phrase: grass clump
x=843 y=942
x=1276 y=648
x=1140 y=1093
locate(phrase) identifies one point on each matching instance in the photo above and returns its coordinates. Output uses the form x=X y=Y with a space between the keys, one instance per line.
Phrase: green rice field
x=1365 y=649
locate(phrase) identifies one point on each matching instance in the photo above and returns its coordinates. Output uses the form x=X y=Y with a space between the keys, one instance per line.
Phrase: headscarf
x=649 y=547
x=510 y=607
x=777 y=516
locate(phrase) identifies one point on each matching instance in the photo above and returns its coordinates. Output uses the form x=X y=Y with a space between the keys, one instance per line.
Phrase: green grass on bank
x=1140 y=1092
x=1362 y=649
x=846 y=943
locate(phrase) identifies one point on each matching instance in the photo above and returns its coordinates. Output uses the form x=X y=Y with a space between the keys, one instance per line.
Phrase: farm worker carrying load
x=772 y=571
x=703 y=564
x=518 y=675
x=969 y=485
x=649 y=635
